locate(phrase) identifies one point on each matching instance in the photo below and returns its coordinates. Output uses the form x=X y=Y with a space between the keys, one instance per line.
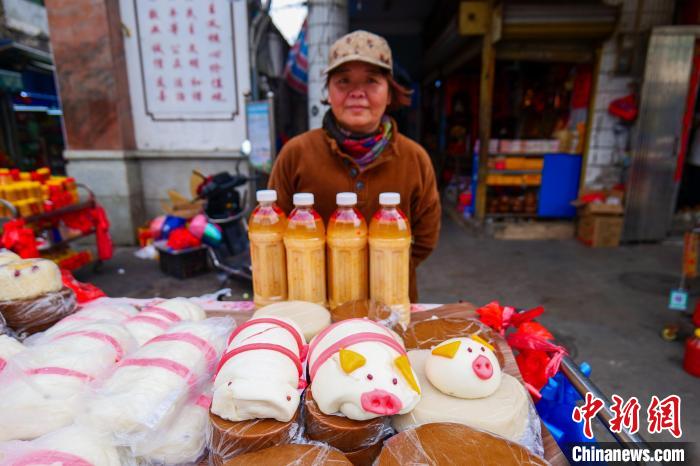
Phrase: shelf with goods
x=523 y=183
x=54 y=209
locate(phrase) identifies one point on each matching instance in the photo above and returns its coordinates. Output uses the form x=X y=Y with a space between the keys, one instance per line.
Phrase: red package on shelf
x=19 y=238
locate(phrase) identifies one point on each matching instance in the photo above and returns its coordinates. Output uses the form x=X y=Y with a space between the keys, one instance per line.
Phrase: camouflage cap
x=360 y=46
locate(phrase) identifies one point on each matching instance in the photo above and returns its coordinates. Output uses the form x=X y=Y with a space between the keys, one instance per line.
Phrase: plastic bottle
x=266 y=228
x=389 y=256
x=305 y=243
x=347 y=252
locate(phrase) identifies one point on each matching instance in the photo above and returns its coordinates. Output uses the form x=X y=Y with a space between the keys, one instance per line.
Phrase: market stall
x=42 y=215
x=329 y=360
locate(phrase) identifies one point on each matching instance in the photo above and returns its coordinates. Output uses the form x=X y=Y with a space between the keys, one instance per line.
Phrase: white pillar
x=328 y=20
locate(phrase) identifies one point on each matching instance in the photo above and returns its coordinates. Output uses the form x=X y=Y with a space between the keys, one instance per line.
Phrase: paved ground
x=607 y=306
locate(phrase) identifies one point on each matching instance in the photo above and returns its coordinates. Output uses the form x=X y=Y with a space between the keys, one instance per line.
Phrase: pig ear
x=447 y=351
x=404 y=366
x=481 y=341
x=350 y=360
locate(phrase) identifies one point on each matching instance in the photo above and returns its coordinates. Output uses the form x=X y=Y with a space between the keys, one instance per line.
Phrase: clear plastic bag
x=8 y=348
x=508 y=412
x=42 y=387
x=373 y=310
x=359 y=441
x=97 y=311
x=231 y=439
x=28 y=316
x=156 y=319
x=427 y=330
x=292 y=455
x=71 y=445
x=449 y=443
x=182 y=441
x=148 y=389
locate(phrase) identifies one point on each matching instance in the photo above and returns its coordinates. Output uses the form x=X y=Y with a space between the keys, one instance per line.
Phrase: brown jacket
x=313 y=163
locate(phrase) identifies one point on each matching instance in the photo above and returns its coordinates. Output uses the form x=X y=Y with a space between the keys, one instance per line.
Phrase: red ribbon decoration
x=538 y=358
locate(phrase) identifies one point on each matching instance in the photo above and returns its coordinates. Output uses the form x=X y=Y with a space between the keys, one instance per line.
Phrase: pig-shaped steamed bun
x=360 y=369
x=464 y=367
x=259 y=375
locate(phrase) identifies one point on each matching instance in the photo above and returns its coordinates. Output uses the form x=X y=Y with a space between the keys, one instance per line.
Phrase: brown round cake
x=287 y=455
x=450 y=444
x=365 y=456
x=427 y=333
x=365 y=308
x=340 y=432
x=230 y=439
x=39 y=313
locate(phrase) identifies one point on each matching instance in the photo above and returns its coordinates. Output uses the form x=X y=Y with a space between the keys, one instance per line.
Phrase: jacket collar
x=390 y=152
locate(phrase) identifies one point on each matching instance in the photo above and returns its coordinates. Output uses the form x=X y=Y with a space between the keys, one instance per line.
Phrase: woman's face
x=359 y=94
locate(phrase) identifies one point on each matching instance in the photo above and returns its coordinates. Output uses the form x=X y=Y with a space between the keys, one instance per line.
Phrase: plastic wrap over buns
x=150 y=387
x=156 y=319
x=373 y=310
x=231 y=439
x=443 y=444
x=424 y=334
x=73 y=445
x=292 y=455
x=32 y=315
x=42 y=388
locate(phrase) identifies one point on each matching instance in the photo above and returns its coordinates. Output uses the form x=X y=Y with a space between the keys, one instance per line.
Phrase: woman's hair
x=400 y=95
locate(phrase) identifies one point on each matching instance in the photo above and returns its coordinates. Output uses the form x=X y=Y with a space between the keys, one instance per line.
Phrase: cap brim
x=349 y=58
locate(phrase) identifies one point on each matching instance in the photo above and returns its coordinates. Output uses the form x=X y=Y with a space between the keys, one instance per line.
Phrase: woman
x=359 y=149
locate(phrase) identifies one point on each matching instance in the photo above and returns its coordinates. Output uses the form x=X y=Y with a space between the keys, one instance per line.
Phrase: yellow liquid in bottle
x=389 y=259
x=305 y=244
x=266 y=228
x=347 y=257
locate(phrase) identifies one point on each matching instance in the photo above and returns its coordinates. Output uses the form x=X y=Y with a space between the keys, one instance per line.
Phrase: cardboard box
x=180 y=206
x=600 y=231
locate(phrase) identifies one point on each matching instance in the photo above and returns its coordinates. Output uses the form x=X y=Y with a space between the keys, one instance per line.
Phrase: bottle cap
x=390 y=198
x=303 y=199
x=266 y=195
x=346 y=199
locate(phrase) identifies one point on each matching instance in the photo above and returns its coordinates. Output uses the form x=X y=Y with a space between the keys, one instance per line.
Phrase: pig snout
x=380 y=402
x=482 y=368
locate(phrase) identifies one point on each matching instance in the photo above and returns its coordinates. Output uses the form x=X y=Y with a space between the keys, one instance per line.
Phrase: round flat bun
x=444 y=444
x=504 y=413
x=292 y=454
x=25 y=279
x=310 y=317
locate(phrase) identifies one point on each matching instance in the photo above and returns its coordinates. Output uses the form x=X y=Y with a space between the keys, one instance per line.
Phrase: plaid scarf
x=363 y=148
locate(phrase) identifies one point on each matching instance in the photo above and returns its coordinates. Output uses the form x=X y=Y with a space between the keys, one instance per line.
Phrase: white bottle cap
x=303 y=199
x=346 y=199
x=266 y=195
x=390 y=198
